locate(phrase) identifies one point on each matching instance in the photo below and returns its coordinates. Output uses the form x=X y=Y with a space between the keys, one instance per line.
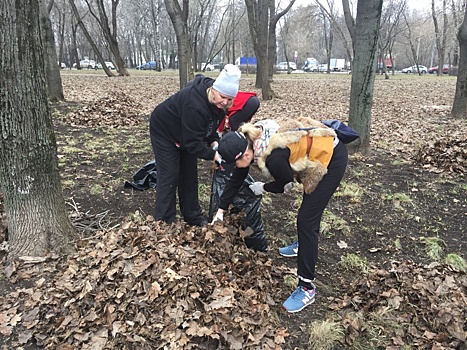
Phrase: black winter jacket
x=186 y=119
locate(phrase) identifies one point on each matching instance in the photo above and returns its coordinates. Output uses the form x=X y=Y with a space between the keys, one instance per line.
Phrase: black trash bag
x=144 y=178
x=245 y=199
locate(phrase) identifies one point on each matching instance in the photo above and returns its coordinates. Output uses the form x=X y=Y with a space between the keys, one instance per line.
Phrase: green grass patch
x=324 y=335
x=331 y=223
x=351 y=191
x=354 y=263
x=457 y=262
x=434 y=247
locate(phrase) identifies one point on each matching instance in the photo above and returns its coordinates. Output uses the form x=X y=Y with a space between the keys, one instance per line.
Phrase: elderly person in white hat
x=182 y=128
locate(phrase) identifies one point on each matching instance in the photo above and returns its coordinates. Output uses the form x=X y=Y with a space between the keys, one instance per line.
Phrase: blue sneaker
x=289 y=251
x=299 y=299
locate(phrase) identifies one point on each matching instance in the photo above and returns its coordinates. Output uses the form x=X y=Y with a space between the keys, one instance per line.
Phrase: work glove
x=218 y=217
x=257 y=188
x=288 y=187
x=218 y=160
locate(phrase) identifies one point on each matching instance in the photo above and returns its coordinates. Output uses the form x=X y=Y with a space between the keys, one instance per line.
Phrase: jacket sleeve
x=279 y=167
x=232 y=186
x=194 y=125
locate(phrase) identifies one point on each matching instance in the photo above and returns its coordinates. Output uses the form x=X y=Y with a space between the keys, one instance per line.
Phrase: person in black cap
x=178 y=129
x=302 y=149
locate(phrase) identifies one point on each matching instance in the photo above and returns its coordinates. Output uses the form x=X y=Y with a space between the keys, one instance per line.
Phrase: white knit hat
x=228 y=80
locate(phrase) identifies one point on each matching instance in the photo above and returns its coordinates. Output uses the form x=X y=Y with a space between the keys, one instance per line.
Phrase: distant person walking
x=180 y=134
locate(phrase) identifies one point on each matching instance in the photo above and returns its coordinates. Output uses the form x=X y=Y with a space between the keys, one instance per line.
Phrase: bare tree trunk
x=455 y=17
x=440 y=37
x=459 y=107
x=38 y=222
x=363 y=71
x=179 y=18
x=110 y=35
x=52 y=66
x=350 y=22
x=258 y=20
x=262 y=22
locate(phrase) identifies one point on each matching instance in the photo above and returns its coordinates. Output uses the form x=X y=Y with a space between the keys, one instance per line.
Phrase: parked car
x=151 y=65
x=434 y=69
x=209 y=67
x=62 y=65
x=108 y=64
x=318 y=68
x=89 y=64
x=310 y=63
x=413 y=69
x=283 y=66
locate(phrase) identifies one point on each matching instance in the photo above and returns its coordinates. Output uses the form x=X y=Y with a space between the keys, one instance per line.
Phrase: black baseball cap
x=232 y=146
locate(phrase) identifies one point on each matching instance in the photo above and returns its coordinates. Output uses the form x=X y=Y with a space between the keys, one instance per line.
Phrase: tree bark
x=363 y=71
x=440 y=35
x=52 y=66
x=459 y=107
x=179 y=18
x=350 y=23
x=38 y=222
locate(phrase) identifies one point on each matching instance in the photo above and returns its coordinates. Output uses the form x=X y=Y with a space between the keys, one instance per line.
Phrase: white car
x=90 y=64
x=108 y=64
x=413 y=69
x=283 y=66
x=209 y=67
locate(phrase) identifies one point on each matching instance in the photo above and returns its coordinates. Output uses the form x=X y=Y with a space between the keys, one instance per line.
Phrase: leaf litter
x=149 y=285
x=143 y=284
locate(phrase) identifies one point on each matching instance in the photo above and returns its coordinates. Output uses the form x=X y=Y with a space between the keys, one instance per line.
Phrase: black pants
x=245 y=114
x=311 y=211
x=176 y=169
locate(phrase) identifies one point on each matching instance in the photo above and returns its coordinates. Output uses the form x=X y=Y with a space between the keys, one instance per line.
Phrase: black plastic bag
x=144 y=178
x=245 y=199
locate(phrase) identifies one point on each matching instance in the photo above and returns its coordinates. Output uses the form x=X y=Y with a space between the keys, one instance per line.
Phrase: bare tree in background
x=272 y=38
x=413 y=43
x=52 y=66
x=179 y=17
x=327 y=31
x=350 y=23
x=38 y=222
x=440 y=34
x=258 y=19
x=459 y=107
x=262 y=21
x=333 y=17
x=389 y=31
x=109 y=32
x=363 y=71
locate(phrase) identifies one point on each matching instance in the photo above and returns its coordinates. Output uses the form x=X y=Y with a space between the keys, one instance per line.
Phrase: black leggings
x=245 y=114
x=311 y=211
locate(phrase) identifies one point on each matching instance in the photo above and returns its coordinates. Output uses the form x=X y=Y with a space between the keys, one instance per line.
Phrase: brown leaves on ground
x=115 y=110
x=444 y=155
x=148 y=285
x=423 y=306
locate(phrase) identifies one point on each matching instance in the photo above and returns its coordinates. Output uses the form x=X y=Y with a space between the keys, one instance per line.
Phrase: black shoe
x=200 y=222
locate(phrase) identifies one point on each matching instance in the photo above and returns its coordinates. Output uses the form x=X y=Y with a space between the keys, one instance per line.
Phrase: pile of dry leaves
x=422 y=306
x=113 y=111
x=444 y=155
x=148 y=285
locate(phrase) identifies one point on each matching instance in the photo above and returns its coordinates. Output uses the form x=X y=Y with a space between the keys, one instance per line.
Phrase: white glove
x=257 y=188
x=218 y=160
x=288 y=187
x=215 y=145
x=219 y=216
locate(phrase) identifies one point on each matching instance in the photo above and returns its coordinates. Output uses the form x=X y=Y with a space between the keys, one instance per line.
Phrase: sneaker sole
x=288 y=255
x=294 y=311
